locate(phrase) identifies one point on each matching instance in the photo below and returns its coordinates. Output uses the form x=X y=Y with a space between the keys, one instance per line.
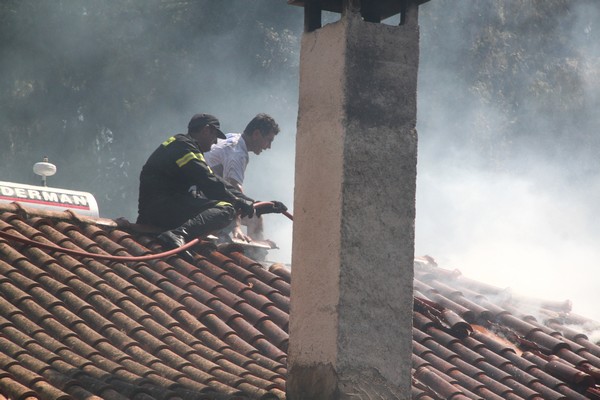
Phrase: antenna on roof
x=44 y=169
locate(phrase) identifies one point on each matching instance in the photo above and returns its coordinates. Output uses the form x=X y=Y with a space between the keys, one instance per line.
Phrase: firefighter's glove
x=272 y=208
x=245 y=207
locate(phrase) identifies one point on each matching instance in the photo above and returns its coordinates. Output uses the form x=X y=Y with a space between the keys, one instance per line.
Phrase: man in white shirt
x=229 y=158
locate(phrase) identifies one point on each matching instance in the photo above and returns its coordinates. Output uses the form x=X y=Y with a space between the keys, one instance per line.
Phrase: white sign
x=49 y=198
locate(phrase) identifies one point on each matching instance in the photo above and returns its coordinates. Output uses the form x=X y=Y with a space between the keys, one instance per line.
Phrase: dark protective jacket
x=175 y=166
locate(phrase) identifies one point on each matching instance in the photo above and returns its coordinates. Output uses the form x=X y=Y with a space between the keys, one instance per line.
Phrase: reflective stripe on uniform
x=188 y=157
x=223 y=204
x=168 y=141
x=193 y=156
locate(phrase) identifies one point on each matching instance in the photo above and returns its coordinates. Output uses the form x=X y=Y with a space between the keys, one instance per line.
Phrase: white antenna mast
x=44 y=169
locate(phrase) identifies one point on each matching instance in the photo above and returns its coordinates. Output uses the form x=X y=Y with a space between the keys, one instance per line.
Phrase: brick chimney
x=354 y=205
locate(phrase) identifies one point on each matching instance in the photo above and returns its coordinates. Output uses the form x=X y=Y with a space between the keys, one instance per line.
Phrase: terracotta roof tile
x=258 y=301
x=258 y=271
x=209 y=269
x=436 y=382
x=282 y=302
x=227 y=264
x=282 y=271
x=14 y=389
x=168 y=329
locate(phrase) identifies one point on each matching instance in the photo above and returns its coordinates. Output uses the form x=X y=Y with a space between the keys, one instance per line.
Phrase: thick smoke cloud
x=510 y=202
x=506 y=192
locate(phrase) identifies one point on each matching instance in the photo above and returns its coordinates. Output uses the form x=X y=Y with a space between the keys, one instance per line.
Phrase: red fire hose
x=78 y=253
x=261 y=204
x=287 y=214
x=97 y=256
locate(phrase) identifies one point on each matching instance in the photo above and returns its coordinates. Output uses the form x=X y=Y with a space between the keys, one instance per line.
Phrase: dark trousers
x=189 y=216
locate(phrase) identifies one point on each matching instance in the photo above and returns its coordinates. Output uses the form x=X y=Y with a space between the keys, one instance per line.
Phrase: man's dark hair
x=264 y=123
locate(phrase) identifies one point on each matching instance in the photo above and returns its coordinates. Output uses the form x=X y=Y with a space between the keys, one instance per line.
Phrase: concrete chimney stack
x=354 y=205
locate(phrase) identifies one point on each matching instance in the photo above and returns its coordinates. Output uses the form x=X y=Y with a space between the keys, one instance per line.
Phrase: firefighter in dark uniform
x=177 y=166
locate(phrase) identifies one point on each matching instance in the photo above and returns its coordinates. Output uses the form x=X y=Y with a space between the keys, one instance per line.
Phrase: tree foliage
x=527 y=66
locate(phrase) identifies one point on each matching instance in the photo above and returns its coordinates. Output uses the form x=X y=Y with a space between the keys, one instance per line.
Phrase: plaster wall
x=318 y=193
x=354 y=210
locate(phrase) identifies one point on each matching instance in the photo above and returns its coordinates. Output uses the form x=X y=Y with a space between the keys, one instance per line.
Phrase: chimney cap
x=385 y=8
x=371 y=10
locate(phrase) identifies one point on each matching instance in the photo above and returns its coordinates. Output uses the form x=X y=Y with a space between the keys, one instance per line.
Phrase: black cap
x=201 y=120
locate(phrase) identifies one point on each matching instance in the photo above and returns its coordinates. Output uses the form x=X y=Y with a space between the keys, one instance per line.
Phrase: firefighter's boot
x=176 y=238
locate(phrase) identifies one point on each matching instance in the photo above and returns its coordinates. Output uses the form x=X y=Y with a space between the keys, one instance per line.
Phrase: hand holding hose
x=271 y=207
x=245 y=207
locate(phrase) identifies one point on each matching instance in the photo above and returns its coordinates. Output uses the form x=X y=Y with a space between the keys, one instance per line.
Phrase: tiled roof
x=472 y=340
x=166 y=329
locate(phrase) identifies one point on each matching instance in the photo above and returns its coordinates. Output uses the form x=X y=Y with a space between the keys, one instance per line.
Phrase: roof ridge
x=72 y=216
x=66 y=215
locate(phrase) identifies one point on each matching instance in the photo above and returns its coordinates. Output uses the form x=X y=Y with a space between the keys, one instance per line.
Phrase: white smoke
x=529 y=225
